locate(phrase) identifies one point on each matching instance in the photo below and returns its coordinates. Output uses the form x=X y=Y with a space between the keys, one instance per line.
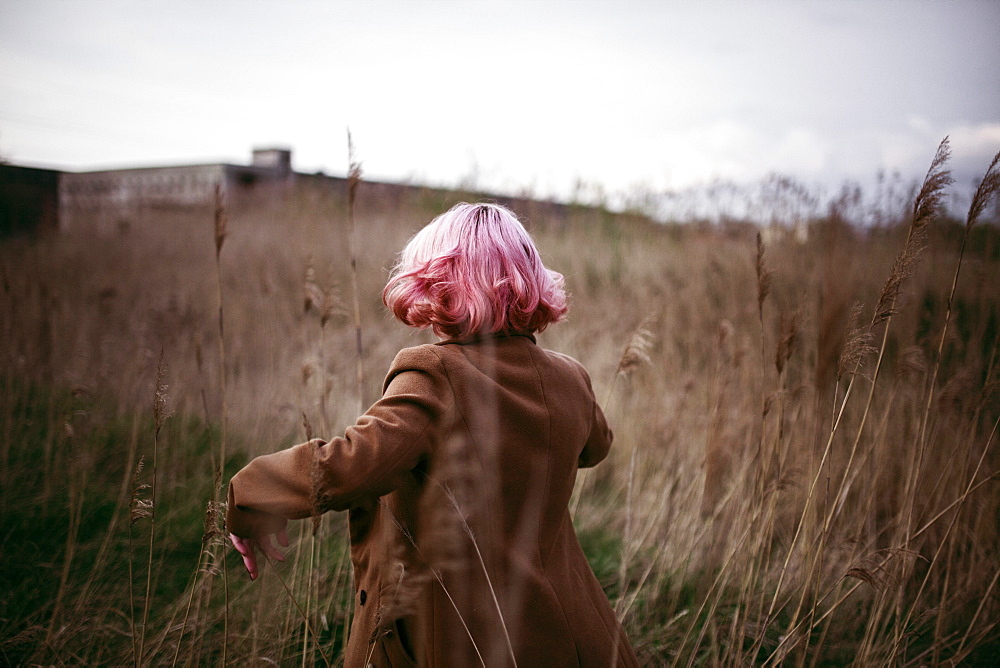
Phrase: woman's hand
x=246 y=547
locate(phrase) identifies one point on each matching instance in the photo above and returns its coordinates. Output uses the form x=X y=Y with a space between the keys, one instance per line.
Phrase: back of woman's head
x=474 y=270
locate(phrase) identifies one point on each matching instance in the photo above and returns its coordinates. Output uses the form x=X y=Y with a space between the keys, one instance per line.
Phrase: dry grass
x=790 y=484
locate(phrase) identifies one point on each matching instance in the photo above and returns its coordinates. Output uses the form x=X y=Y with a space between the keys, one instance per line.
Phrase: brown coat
x=457 y=482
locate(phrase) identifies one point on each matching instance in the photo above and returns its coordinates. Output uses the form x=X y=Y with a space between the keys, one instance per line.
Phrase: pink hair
x=474 y=270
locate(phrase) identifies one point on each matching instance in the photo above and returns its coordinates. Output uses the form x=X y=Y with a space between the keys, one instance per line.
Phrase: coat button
x=363 y=596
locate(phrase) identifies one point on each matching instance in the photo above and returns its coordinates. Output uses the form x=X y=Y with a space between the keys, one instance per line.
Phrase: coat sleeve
x=370 y=460
x=600 y=438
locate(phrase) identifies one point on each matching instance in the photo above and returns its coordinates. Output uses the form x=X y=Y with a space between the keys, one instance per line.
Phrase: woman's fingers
x=268 y=548
x=247 y=547
x=250 y=558
x=238 y=544
x=250 y=563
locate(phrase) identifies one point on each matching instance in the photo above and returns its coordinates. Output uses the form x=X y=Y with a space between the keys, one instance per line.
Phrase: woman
x=458 y=479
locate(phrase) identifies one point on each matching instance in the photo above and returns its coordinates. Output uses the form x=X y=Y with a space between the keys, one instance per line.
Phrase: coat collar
x=481 y=338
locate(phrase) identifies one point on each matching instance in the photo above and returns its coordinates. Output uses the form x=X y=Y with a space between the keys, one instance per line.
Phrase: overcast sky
x=516 y=94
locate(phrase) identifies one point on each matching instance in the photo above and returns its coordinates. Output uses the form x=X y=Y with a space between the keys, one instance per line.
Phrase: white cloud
x=739 y=151
x=668 y=94
x=980 y=141
x=801 y=152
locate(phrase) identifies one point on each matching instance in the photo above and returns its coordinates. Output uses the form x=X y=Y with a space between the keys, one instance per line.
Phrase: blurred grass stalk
x=758 y=507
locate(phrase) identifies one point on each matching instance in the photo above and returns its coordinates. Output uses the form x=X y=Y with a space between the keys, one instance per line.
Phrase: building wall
x=123 y=193
x=29 y=200
x=131 y=189
x=112 y=200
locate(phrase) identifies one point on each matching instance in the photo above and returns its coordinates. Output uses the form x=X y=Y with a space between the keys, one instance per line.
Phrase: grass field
x=804 y=472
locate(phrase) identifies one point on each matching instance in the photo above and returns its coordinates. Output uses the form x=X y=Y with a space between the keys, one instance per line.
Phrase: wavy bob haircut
x=473 y=271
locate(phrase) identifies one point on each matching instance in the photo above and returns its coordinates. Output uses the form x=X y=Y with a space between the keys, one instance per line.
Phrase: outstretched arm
x=371 y=460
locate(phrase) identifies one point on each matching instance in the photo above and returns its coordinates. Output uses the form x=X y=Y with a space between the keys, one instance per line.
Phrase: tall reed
x=160 y=414
x=925 y=208
x=763 y=454
x=221 y=221
x=353 y=181
x=138 y=509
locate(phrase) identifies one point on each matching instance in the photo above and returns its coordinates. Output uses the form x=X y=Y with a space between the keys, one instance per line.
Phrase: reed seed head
x=928 y=200
x=763 y=275
x=307 y=426
x=220 y=219
x=312 y=293
x=315 y=298
x=160 y=413
x=139 y=508
x=987 y=188
x=858 y=346
x=925 y=210
x=637 y=352
x=353 y=171
x=787 y=341
x=213 y=521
